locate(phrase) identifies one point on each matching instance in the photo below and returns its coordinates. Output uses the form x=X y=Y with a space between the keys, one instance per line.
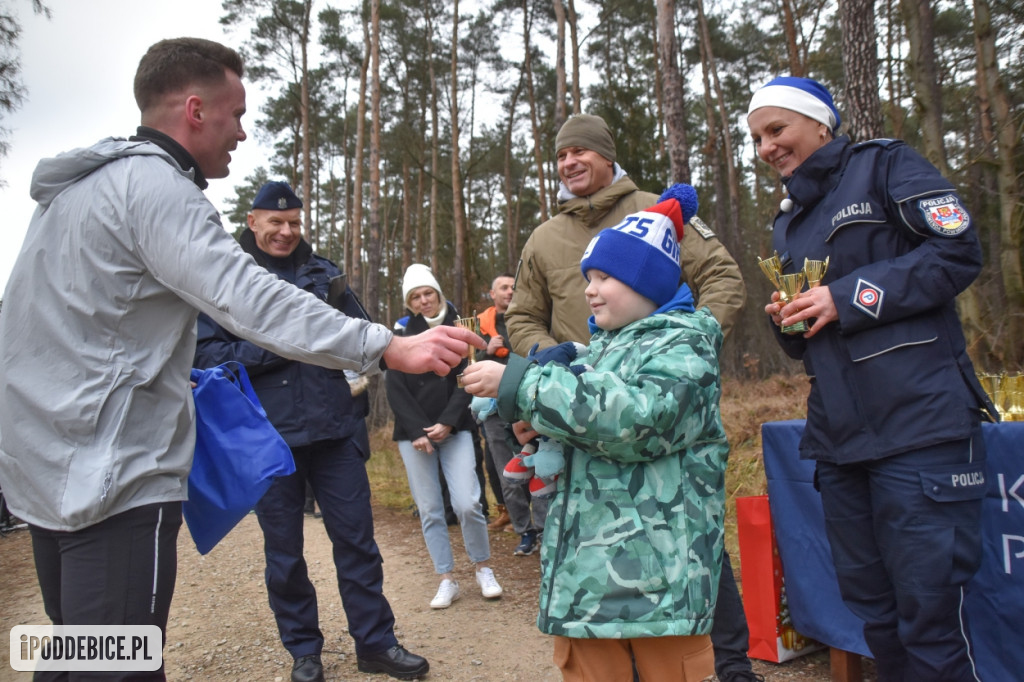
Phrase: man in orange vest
x=525 y=512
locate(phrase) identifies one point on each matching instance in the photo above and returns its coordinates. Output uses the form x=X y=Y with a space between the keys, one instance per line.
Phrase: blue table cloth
x=995 y=597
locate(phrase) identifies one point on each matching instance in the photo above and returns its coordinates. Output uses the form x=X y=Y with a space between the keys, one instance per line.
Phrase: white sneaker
x=447 y=592
x=489 y=586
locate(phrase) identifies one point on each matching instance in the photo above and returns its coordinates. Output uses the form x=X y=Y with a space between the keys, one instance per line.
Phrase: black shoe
x=396 y=662
x=308 y=669
x=527 y=545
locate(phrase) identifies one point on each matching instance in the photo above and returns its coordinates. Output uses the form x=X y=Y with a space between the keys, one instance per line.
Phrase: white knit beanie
x=419 y=275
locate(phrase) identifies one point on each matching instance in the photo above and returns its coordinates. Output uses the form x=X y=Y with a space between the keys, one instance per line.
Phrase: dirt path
x=221 y=629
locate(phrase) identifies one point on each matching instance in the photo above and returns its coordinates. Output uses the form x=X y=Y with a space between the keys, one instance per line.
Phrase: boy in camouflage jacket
x=633 y=542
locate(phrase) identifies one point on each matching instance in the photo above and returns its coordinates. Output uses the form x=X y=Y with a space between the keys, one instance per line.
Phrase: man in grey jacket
x=98 y=333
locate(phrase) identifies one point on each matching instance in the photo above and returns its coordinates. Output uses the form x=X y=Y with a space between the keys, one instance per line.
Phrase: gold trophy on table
x=788 y=287
x=473 y=325
x=1013 y=395
x=993 y=385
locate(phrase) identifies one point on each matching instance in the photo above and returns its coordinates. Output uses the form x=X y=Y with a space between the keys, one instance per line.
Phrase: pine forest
x=424 y=131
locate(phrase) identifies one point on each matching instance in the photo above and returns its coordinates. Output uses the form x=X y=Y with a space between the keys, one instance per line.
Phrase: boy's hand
x=482 y=378
x=523 y=432
x=562 y=354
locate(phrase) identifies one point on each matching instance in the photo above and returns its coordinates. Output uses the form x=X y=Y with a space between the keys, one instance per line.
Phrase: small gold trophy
x=815 y=271
x=772 y=268
x=993 y=385
x=1013 y=394
x=473 y=325
x=788 y=287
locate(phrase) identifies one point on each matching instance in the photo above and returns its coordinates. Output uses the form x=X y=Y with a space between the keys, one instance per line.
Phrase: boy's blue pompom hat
x=802 y=95
x=276 y=196
x=642 y=251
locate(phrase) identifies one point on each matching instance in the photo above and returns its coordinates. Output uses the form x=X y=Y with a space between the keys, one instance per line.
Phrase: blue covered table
x=995 y=597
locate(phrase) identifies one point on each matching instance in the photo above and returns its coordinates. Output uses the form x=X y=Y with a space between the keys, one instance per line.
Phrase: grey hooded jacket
x=98 y=331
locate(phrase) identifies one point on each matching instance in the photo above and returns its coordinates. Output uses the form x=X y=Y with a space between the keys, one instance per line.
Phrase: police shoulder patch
x=944 y=215
x=867 y=297
x=701 y=227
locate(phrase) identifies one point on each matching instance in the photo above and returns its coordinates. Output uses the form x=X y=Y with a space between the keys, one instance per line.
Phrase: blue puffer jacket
x=892 y=375
x=305 y=403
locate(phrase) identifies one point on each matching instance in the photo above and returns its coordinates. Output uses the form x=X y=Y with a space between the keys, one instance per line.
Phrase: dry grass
x=745 y=406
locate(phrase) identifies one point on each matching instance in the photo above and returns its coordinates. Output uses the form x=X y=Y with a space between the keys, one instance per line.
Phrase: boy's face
x=613 y=303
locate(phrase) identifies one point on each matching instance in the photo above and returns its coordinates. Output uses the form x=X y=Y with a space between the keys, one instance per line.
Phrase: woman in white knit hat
x=433 y=429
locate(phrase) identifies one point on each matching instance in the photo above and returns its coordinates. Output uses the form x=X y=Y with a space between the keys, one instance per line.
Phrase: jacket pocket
x=876 y=341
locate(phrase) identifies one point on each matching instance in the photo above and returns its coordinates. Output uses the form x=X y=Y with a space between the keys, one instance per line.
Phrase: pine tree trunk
x=574 y=38
x=356 y=280
x=307 y=161
x=457 y=212
x=373 y=245
x=1001 y=133
x=919 y=18
x=538 y=155
x=435 y=163
x=860 y=69
x=560 y=78
x=673 y=94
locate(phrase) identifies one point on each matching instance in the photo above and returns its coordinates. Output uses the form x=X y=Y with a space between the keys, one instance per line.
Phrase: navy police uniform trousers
x=905 y=534
x=337 y=473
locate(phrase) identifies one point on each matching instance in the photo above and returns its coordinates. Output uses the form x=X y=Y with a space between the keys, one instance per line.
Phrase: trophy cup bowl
x=473 y=325
x=815 y=271
x=789 y=288
x=772 y=268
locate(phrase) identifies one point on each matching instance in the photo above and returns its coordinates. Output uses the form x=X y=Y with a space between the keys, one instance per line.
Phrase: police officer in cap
x=323 y=421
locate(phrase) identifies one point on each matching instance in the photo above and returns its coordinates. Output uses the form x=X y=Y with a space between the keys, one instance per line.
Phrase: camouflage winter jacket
x=633 y=537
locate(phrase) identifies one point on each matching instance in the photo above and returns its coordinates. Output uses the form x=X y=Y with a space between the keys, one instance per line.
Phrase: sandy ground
x=221 y=628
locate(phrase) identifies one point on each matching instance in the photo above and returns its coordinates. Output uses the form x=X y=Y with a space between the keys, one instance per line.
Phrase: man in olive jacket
x=549 y=306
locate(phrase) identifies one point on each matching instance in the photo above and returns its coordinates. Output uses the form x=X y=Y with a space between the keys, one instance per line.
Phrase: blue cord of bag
x=238 y=454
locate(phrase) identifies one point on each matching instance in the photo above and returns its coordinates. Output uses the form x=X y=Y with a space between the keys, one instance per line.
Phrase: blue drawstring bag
x=238 y=454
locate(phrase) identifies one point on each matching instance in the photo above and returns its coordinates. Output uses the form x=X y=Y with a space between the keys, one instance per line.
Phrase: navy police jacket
x=892 y=375
x=304 y=402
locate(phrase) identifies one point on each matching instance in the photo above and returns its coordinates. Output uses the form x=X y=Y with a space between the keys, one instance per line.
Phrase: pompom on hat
x=802 y=95
x=276 y=196
x=642 y=251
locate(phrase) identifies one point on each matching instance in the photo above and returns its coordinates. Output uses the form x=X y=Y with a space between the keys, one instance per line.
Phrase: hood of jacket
x=53 y=175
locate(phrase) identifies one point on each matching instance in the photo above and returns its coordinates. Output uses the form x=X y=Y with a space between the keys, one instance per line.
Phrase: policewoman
x=893 y=416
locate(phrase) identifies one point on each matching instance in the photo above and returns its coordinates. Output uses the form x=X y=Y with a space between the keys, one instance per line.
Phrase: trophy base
x=458 y=381
x=798 y=328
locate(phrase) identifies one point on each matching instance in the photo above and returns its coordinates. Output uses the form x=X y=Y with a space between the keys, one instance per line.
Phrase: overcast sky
x=78 y=68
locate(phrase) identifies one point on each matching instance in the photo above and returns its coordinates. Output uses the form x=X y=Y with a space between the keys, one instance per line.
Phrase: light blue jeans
x=458 y=461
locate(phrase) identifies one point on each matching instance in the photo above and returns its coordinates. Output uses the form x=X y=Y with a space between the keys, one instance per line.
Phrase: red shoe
x=543 y=488
x=516 y=471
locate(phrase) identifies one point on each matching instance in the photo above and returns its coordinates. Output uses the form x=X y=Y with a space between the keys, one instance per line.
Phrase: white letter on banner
x=1012 y=492
x=1007 y=552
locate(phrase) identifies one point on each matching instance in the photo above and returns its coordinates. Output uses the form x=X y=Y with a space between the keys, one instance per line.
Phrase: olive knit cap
x=587 y=131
